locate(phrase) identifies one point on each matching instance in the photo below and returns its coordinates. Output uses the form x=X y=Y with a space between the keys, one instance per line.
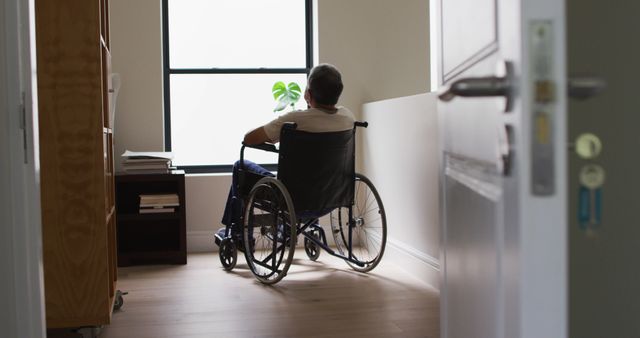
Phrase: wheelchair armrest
x=263 y=146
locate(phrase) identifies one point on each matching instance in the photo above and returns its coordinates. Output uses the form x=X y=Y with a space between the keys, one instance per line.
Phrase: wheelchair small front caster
x=88 y=332
x=119 y=300
x=228 y=254
x=312 y=249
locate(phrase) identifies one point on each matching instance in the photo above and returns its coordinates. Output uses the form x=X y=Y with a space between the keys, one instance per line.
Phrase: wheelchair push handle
x=364 y=124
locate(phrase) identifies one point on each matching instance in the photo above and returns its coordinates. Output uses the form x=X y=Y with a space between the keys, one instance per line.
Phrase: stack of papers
x=147 y=162
x=158 y=203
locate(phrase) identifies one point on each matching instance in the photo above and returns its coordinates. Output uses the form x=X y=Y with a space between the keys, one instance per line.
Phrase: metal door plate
x=543 y=107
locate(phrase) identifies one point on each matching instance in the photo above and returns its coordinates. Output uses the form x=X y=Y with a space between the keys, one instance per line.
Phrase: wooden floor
x=316 y=299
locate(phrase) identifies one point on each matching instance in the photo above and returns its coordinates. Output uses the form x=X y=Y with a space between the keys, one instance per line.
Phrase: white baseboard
x=417 y=263
x=201 y=241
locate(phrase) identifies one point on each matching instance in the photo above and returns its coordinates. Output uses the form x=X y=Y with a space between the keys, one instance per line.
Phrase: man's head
x=324 y=84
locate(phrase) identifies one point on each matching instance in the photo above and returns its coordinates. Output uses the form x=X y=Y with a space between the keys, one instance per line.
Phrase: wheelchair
x=315 y=177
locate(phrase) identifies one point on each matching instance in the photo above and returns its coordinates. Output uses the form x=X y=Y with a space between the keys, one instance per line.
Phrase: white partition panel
x=399 y=153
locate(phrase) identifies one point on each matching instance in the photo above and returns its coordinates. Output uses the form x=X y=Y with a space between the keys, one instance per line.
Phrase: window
x=220 y=60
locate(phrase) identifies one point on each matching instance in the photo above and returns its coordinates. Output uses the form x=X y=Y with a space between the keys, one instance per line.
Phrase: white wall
x=206 y=198
x=380 y=46
x=400 y=157
x=136 y=54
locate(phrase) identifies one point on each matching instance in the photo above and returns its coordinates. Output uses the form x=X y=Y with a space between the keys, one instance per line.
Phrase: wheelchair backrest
x=318 y=169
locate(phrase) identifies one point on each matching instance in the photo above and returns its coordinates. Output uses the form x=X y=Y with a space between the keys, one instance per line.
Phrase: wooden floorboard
x=316 y=299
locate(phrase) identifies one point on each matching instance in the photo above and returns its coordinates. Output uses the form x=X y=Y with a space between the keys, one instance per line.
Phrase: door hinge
x=22 y=111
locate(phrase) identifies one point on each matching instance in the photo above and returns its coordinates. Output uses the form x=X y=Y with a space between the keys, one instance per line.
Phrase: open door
x=603 y=58
x=21 y=284
x=502 y=113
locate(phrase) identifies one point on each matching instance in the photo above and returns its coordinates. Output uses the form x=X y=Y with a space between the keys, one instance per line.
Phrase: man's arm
x=256 y=136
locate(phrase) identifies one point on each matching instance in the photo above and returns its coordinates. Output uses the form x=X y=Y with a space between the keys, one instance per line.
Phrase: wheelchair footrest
x=219 y=236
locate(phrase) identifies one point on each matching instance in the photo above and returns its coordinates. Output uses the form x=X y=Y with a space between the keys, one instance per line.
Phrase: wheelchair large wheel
x=368 y=227
x=269 y=230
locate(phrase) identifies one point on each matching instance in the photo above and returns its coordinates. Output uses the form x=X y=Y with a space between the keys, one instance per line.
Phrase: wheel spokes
x=368 y=226
x=268 y=226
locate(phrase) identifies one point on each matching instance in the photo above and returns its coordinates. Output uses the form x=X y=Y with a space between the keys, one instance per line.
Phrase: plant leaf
x=282 y=104
x=293 y=87
x=278 y=89
x=285 y=94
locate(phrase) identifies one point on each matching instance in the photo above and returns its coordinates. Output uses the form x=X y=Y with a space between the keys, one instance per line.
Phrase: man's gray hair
x=325 y=84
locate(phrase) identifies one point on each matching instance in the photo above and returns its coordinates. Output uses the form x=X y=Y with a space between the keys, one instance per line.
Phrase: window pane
x=210 y=113
x=237 y=34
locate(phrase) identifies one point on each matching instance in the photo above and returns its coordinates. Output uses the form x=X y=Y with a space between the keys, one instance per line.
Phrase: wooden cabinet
x=155 y=238
x=76 y=160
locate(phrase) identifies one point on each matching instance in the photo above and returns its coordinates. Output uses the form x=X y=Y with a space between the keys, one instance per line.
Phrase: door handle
x=488 y=86
x=583 y=88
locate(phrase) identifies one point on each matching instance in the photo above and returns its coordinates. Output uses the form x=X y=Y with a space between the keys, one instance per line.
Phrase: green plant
x=285 y=95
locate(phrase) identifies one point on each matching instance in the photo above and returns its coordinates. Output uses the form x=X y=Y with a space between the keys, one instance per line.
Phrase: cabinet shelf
x=150 y=238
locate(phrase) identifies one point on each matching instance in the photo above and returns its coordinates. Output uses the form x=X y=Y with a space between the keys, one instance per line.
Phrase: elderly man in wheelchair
x=316 y=177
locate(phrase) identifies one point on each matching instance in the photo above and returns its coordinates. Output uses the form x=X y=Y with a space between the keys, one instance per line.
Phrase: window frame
x=168 y=71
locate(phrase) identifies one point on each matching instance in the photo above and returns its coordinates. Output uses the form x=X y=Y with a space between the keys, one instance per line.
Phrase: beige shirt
x=313 y=120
